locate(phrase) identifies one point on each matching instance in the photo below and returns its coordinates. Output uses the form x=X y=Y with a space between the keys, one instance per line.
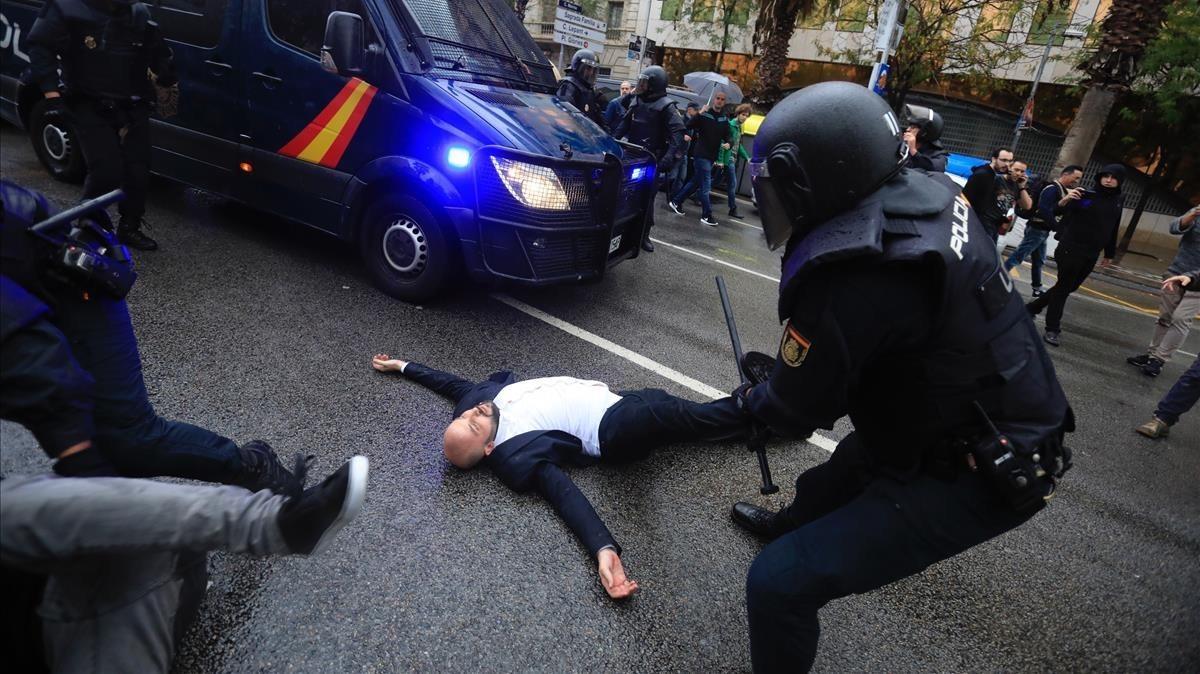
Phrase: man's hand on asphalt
x=385 y=363
x=1175 y=282
x=612 y=575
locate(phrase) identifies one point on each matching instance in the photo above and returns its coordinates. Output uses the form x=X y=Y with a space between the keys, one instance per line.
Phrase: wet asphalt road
x=255 y=329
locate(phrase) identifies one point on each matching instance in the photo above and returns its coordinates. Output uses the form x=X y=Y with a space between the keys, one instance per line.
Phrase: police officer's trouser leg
x=886 y=532
x=135 y=153
x=101 y=144
x=128 y=431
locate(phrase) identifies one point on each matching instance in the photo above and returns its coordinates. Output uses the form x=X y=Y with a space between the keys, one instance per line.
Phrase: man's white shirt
x=565 y=404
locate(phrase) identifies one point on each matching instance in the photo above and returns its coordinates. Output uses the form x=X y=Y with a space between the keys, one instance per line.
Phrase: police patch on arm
x=793 y=348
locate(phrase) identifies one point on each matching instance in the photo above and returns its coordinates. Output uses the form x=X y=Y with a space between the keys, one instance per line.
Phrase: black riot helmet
x=583 y=66
x=928 y=122
x=820 y=151
x=652 y=83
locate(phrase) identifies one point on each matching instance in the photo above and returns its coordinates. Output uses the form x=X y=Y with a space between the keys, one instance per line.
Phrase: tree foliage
x=717 y=24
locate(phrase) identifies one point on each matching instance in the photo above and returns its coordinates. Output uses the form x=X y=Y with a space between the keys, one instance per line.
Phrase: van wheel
x=55 y=141
x=406 y=249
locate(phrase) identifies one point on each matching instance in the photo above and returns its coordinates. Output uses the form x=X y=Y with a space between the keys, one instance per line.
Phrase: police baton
x=758 y=439
x=95 y=205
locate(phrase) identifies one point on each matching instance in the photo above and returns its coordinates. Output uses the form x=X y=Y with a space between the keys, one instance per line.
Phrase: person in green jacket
x=727 y=159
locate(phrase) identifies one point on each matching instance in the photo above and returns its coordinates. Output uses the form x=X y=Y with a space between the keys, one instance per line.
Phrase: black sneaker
x=735 y=214
x=1051 y=338
x=1038 y=292
x=310 y=522
x=261 y=470
x=708 y=221
x=131 y=234
x=1138 y=361
x=675 y=207
x=1153 y=367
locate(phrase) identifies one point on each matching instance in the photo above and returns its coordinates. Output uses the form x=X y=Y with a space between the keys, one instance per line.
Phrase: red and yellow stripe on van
x=324 y=140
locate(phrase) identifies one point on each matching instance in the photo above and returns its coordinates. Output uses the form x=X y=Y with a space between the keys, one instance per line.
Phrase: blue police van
x=424 y=131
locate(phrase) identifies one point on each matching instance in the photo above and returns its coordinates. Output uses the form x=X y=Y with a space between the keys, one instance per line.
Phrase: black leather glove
x=88 y=463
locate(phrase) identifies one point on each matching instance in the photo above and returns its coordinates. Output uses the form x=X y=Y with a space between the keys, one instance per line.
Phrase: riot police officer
x=579 y=86
x=653 y=121
x=105 y=48
x=896 y=312
x=924 y=129
x=67 y=336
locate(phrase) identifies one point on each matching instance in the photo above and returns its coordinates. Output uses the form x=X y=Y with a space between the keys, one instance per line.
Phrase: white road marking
x=638 y=359
x=710 y=258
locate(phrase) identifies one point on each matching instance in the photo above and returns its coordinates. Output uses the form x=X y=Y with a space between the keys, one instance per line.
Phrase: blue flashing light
x=638 y=173
x=458 y=157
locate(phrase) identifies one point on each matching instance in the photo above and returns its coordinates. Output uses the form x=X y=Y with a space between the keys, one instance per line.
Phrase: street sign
x=574 y=29
x=578 y=31
x=635 y=48
x=578 y=43
x=578 y=19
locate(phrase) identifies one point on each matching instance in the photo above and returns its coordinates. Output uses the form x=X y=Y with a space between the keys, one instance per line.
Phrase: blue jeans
x=1032 y=244
x=679 y=175
x=1182 y=396
x=857 y=530
x=729 y=175
x=129 y=433
x=702 y=181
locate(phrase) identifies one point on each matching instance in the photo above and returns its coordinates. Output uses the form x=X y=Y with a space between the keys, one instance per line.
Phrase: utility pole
x=1037 y=78
x=891 y=25
x=645 y=35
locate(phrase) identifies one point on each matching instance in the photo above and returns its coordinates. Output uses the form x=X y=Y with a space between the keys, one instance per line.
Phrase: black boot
x=758 y=521
x=647 y=245
x=261 y=470
x=129 y=231
x=310 y=521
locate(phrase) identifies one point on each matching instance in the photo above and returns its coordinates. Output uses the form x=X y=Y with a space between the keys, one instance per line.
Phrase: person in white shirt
x=526 y=431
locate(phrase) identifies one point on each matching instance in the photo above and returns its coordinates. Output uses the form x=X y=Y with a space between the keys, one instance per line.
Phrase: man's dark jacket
x=710 y=129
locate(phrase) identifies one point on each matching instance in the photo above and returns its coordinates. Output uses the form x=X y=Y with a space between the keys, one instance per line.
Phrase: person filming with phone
x=1089 y=225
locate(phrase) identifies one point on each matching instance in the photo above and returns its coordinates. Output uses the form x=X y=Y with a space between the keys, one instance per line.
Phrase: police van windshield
x=480 y=41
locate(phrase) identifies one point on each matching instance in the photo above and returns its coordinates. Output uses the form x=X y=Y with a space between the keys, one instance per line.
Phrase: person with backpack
x=1050 y=199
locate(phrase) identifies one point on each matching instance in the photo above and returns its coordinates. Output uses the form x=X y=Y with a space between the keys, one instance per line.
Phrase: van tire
x=406 y=249
x=56 y=144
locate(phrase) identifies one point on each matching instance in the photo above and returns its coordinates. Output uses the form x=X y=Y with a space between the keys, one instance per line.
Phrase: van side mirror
x=344 y=42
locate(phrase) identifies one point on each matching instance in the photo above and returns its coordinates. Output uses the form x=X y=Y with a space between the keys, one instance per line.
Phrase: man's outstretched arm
x=444 y=383
x=577 y=512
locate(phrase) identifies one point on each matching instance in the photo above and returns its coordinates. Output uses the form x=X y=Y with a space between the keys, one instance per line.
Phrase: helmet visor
x=773 y=205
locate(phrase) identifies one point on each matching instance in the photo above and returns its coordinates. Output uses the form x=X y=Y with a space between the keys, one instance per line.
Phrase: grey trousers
x=112 y=549
x=1176 y=309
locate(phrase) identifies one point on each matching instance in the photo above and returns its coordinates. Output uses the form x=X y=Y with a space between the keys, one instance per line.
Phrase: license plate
x=614 y=244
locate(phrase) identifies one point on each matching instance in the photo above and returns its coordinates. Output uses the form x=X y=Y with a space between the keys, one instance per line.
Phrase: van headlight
x=532 y=185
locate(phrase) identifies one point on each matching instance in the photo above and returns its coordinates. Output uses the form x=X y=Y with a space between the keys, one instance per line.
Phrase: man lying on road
x=525 y=431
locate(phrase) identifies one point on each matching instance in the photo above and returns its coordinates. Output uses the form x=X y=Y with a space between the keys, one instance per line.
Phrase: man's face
x=718 y=101
x=471 y=436
x=692 y=112
x=1016 y=171
x=1002 y=162
x=626 y=88
x=1071 y=179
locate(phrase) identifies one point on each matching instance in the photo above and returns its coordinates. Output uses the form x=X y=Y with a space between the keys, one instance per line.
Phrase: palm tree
x=1124 y=34
x=772 y=34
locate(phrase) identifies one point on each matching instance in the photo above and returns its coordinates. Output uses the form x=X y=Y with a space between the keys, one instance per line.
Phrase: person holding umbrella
x=710 y=129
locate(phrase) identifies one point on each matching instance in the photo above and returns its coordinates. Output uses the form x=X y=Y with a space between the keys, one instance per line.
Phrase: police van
x=424 y=131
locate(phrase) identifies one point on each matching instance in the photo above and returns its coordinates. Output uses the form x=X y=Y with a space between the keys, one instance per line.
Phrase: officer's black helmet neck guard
x=820 y=151
x=652 y=82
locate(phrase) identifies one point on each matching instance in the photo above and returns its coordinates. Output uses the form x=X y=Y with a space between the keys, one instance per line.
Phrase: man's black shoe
x=311 y=521
x=735 y=214
x=1138 y=361
x=758 y=521
x=1038 y=292
x=131 y=234
x=1153 y=367
x=757 y=366
x=1051 y=338
x=261 y=470
x=648 y=245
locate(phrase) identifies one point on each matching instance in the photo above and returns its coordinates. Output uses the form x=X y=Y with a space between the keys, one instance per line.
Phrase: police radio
x=87 y=253
x=1018 y=475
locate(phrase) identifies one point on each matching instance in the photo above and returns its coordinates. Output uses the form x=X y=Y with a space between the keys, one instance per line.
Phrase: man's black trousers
x=115 y=138
x=857 y=530
x=1073 y=269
